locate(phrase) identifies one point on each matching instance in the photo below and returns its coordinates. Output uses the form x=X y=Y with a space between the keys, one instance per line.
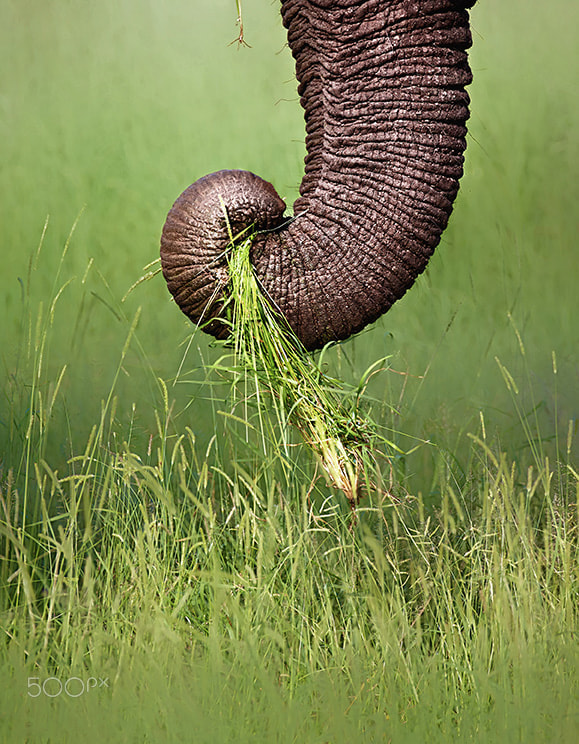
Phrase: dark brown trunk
x=383 y=89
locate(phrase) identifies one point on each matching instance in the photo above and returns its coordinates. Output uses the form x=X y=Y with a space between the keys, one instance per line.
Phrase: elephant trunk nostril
x=198 y=233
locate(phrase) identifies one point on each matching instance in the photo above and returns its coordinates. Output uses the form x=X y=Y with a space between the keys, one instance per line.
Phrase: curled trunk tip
x=383 y=89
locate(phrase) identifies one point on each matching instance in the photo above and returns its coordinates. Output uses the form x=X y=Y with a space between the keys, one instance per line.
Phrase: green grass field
x=174 y=564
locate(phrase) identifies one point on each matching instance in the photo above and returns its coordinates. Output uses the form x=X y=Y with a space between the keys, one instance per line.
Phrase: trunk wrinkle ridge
x=382 y=84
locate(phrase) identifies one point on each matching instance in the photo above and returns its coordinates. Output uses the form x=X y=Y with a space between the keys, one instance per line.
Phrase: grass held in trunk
x=288 y=383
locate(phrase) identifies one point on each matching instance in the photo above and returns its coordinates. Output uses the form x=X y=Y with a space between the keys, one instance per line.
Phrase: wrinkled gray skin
x=382 y=84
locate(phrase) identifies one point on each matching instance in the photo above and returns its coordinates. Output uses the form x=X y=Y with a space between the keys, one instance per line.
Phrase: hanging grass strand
x=287 y=378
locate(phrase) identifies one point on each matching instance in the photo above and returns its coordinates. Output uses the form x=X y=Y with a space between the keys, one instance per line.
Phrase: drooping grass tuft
x=291 y=389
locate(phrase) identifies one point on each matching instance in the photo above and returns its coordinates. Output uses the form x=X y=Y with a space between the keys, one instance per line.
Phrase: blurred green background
x=109 y=110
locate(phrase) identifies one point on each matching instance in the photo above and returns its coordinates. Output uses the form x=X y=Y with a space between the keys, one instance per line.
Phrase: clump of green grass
x=290 y=388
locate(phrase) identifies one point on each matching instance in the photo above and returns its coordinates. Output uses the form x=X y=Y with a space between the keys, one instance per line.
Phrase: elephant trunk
x=382 y=84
